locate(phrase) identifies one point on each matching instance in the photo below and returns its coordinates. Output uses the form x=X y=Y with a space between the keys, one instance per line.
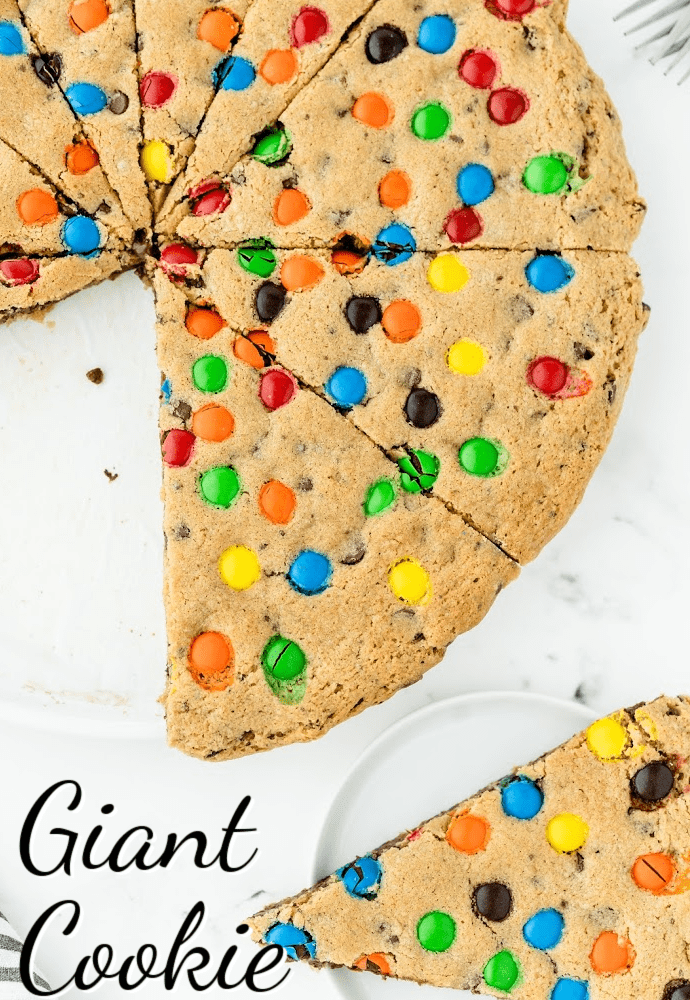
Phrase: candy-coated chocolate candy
x=212 y=661
x=255 y=349
x=436 y=931
x=511 y=10
x=437 y=34
x=653 y=782
x=349 y=261
x=118 y=102
x=11 y=40
x=607 y=739
x=394 y=245
x=213 y=423
x=310 y=573
x=220 y=486
x=86 y=98
x=81 y=235
x=611 y=954
x=310 y=26
x=465 y=357
x=549 y=273
x=361 y=878
x=502 y=972
x=431 y=122
x=203 y=322
x=20 y=271
x=402 y=321
x=463 y=225
x=479 y=69
x=85 y=15
x=178 y=447
x=410 y=582
x=157 y=88
x=374 y=110
x=347 y=387
x=269 y=301
x=379 y=498
x=493 y=901
x=567 y=833
x=219 y=28
x=239 y=567
x=257 y=257
x=234 y=73
x=277 y=502
x=283 y=658
x=385 y=43
x=279 y=66
x=156 y=161
x=290 y=206
x=395 y=190
x=295 y=942
x=507 y=106
x=210 y=373
x=422 y=408
x=363 y=312
x=447 y=274
x=376 y=961
x=475 y=184
x=544 y=930
x=300 y=272
x=545 y=175
x=47 y=67
x=179 y=255
x=418 y=471
x=277 y=388
x=37 y=207
x=679 y=989
x=273 y=147
x=570 y=989
x=654 y=872
x=548 y=375
x=81 y=157
x=166 y=390
x=483 y=458
x=468 y=834
x=521 y=797
x=209 y=198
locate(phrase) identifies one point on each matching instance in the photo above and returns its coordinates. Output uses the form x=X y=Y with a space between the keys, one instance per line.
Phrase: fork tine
x=664 y=12
x=682 y=51
x=633 y=8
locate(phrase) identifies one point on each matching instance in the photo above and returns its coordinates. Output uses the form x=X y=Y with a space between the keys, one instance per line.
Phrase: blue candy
x=234 y=73
x=347 y=387
x=570 y=989
x=394 y=245
x=475 y=184
x=544 y=930
x=310 y=573
x=166 y=390
x=11 y=41
x=549 y=273
x=521 y=798
x=436 y=34
x=362 y=878
x=86 y=98
x=290 y=938
x=81 y=235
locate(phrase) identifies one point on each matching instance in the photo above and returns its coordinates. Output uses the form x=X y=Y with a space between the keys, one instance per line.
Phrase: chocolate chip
x=47 y=68
x=582 y=353
x=118 y=103
x=653 y=782
x=95 y=375
x=305 y=485
x=270 y=299
x=182 y=411
x=355 y=555
x=182 y=532
x=493 y=900
x=385 y=43
x=363 y=312
x=519 y=309
x=679 y=989
x=422 y=408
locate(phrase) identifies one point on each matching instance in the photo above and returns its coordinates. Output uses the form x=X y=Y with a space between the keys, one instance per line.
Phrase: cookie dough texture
x=593 y=888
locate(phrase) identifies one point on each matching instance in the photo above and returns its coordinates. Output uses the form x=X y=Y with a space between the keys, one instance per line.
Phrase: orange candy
x=374 y=110
x=279 y=66
x=219 y=27
x=654 y=872
x=609 y=955
x=298 y=273
x=468 y=834
x=211 y=661
x=213 y=423
x=401 y=322
x=348 y=262
x=277 y=502
x=37 y=207
x=378 y=959
x=81 y=157
x=85 y=15
x=290 y=206
x=395 y=190
x=203 y=322
x=247 y=348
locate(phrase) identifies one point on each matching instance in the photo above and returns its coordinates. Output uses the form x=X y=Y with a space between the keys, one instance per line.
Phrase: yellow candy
x=466 y=358
x=607 y=739
x=239 y=567
x=156 y=161
x=410 y=582
x=567 y=833
x=447 y=274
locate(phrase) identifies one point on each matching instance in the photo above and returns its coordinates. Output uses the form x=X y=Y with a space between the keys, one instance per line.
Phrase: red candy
x=309 y=26
x=156 y=89
x=277 y=388
x=209 y=198
x=479 y=69
x=177 y=254
x=463 y=225
x=511 y=10
x=21 y=271
x=507 y=106
x=548 y=375
x=178 y=446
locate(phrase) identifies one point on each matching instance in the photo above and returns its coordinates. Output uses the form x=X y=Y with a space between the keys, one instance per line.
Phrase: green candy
x=257 y=257
x=379 y=498
x=220 y=487
x=210 y=373
x=436 y=931
x=285 y=669
x=501 y=972
x=552 y=174
x=483 y=458
x=419 y=471
x=431 y=122
x=274 y=146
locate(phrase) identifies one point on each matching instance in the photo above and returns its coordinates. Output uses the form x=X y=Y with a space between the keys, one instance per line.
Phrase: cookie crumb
x=111 y=476
x=95 y=375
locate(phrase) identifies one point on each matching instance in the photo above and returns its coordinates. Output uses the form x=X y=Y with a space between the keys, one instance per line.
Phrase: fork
x=672 y=39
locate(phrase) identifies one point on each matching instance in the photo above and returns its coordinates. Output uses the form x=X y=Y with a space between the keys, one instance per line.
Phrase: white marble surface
x=601 y=616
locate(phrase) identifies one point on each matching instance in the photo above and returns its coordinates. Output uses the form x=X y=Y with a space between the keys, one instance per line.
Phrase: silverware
x=669 y=32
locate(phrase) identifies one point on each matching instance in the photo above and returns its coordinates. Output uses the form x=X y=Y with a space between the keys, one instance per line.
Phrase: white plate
x=422 y=765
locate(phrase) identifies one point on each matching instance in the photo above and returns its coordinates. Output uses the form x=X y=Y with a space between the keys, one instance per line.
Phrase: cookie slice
x=564 y=881
x=183 y=52
x=440 y=127
x=302 y=585
x=283 y=45
x=95 y=42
